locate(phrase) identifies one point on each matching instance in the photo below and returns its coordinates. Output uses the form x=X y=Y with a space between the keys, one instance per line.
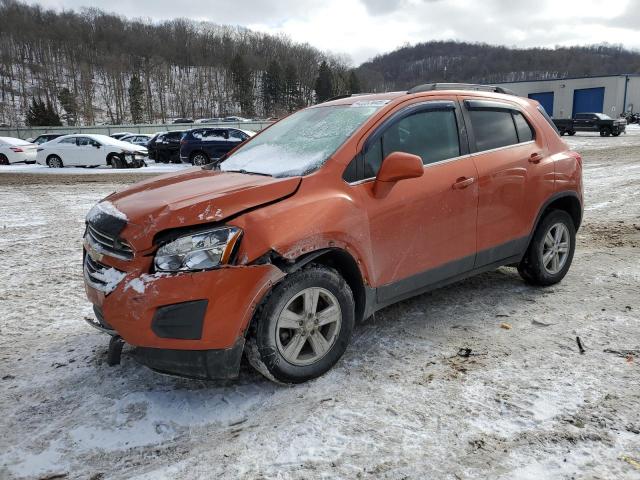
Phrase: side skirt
x=506 y=254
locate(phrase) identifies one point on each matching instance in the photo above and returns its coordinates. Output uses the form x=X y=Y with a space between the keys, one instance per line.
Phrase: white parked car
x=14 y=150
x=90 y=150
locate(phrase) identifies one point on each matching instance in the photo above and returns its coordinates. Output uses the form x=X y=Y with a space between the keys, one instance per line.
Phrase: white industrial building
x=563 y=98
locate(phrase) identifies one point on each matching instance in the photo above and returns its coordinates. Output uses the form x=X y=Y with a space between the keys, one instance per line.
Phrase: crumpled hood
x=195 y=197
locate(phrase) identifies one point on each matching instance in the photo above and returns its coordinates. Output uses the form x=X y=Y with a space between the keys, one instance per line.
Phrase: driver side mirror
x=395 y=167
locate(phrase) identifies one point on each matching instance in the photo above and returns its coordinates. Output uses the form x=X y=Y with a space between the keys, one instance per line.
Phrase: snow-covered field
x=401 y=404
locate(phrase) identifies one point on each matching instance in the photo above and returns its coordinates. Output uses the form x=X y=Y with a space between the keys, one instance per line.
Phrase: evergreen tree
x=292 y=95
x=51 y=117
x=272 y=88
x=70 y=106
x=354 y=83
x=136 y=94
x=40 y=114
x=243 y=85
x=324 y=83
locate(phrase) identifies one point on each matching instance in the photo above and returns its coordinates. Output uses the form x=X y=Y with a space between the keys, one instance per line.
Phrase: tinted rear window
x=493 y=129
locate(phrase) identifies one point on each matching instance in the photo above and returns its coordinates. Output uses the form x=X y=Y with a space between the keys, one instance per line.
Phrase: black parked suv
x=46 y=137
x=202 y=145
x=591 y=122
x=165 y=147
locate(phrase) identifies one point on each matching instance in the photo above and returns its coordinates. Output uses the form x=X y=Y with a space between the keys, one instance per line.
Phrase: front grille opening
x=100 y=276
x=107 y=244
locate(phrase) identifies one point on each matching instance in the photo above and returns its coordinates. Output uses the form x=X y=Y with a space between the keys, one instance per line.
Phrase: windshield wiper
x=248 y=173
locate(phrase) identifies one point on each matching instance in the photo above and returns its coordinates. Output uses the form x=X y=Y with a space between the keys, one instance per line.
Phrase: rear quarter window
x=493 y=129
x=525 y=132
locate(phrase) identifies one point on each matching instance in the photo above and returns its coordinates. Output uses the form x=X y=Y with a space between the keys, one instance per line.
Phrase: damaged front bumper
x=188 y=324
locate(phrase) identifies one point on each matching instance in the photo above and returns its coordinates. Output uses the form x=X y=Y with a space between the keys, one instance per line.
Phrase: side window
x=83 y=141
x=69 y=140
x=493 y=129
x=525 y=131
x=373 y=159
x=237 y=135
x=432 y=135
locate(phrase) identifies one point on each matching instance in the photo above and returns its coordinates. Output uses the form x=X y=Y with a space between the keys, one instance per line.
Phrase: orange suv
x=330 y=214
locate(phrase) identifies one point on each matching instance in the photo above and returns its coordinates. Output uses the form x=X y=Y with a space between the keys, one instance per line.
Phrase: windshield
x=302 y=142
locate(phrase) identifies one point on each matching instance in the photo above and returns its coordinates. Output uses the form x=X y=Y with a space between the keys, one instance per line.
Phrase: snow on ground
x=401 y=403
x=154 y=168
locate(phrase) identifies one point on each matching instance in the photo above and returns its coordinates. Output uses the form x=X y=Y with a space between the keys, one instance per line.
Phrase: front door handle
x=463 y=182
x=535 y=157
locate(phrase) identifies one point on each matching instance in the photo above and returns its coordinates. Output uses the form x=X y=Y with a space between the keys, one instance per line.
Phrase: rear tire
x=303 y=326
x=199 y=159
x=3 y=159
x=616 y=134
x=550 y=253
x=572 y=133
x=54 y=161
x=605 y=132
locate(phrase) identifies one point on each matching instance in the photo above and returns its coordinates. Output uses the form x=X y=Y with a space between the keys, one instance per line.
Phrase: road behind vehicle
x=236 y=119
x=165 y=147
x=15 y=150
x=591 y=122
x=90 y=150
x=202 y=145
x=209 y=120
x=327 y=216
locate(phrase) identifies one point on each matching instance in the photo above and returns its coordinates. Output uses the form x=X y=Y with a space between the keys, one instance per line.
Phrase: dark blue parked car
x=202 y=145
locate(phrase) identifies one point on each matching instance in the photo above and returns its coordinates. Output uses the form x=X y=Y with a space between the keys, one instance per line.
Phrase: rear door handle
x=535 y=158
x=463 y=182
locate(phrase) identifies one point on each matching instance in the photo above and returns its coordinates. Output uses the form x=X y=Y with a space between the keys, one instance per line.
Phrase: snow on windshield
x=301 y=143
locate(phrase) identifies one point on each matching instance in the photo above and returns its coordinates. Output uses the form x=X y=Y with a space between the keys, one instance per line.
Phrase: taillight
x=17 y=149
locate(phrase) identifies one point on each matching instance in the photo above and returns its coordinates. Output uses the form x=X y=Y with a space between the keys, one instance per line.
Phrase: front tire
x=303 y=327
x=117 y=162
x=54 y=161
x=550 y=253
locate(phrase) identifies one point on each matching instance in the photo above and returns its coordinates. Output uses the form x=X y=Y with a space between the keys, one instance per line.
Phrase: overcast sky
x=364 y=28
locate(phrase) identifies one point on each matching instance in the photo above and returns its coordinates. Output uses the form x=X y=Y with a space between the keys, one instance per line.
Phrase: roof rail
x=428 y=87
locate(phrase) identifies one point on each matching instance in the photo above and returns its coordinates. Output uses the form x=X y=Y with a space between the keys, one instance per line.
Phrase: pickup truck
x=591 y=122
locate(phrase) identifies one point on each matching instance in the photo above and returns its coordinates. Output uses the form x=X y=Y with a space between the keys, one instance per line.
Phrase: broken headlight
x=198 y=251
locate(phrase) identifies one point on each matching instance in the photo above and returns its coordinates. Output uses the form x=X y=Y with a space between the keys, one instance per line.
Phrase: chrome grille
x=101 y=277
x=108 y=245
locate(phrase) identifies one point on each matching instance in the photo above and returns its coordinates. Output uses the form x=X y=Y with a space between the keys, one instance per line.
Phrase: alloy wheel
x=308 y=326
x=199 y=159
x=555 y=248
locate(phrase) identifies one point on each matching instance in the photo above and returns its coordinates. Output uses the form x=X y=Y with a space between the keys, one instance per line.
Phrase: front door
x=424 y=229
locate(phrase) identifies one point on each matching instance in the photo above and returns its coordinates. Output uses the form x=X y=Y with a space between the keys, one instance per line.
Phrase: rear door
x=515 y=174
x=86 y=153
x=424 y=229
x=66 y=150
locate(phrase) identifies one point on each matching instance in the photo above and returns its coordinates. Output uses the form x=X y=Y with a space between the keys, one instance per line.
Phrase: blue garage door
x=545 y=99
x=588 y=100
